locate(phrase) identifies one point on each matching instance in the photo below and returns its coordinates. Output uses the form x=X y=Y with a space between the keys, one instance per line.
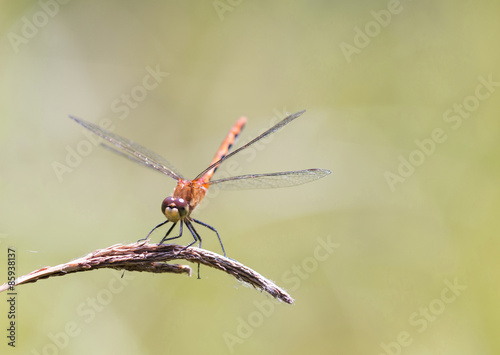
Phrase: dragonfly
x=188 y=194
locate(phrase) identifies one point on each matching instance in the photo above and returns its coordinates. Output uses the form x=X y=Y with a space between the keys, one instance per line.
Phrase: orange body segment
x=193 y=191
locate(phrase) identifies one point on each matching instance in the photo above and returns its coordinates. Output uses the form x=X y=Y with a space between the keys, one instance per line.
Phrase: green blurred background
x=413 y=263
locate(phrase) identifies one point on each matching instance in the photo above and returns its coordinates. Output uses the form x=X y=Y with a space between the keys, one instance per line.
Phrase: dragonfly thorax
x=175 y=209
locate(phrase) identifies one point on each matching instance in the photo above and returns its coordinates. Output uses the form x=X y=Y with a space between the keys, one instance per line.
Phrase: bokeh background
x=402 y=104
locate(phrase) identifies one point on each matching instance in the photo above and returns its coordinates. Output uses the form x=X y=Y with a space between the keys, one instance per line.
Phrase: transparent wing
x=271 y=130
x=129 y=157
x=132 y=150
x=272 y=180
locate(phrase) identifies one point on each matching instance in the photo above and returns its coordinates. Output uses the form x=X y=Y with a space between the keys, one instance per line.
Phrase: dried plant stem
x=142 y=256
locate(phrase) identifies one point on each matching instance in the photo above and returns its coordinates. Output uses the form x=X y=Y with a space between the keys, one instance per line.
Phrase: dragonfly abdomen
x=225 y=147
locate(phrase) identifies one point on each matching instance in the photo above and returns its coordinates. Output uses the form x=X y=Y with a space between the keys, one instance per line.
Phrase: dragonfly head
x=174 y=209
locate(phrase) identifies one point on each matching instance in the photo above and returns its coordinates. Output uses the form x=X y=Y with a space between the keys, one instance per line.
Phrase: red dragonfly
x=189 y=193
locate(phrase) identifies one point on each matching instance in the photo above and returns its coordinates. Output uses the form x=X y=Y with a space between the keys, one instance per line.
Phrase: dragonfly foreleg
x=195 y=234
x=152 y=230
x=196 y=237
x=164 y=239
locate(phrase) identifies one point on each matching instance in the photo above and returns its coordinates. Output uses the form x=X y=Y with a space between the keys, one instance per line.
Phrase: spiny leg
x=196 y=237
x=213 y=229
x=166 y=235
x=195 y=234
x=152 y=230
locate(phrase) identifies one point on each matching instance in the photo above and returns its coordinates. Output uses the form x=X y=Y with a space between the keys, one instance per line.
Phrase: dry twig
x=146 y=257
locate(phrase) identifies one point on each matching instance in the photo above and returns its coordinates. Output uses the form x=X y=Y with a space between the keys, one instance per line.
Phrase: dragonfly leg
x=195 y=234
x=152 y=230
x=213 y=229
x=164 y=239
x=196 y=237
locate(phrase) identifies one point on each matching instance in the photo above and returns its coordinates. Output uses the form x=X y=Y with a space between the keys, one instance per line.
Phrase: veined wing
x=272 y=180
x=271 y=130
x=132 y=150
x=129 y=157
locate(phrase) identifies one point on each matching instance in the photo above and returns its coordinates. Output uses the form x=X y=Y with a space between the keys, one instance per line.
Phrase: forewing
x=272 y=180
x=132 y=150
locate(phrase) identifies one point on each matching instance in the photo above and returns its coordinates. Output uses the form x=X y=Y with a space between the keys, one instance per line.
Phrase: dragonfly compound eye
x=174 y=208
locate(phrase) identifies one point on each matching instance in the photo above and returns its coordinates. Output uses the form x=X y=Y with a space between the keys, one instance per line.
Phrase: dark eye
x=181 y=203
x=169 y=201
x=182 y=207
x=174 y=206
